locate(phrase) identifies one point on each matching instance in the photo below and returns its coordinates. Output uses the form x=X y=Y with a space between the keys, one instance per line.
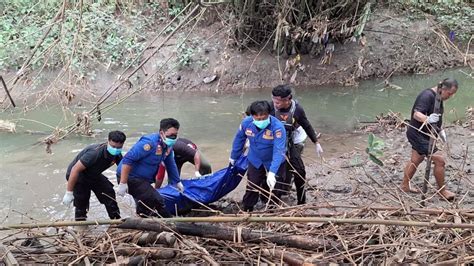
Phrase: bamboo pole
x=467 y=213
x=59 y=224
x=247 y=219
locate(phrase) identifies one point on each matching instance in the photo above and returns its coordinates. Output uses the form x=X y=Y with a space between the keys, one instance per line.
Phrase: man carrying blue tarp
x=138 y=169
x=267 y=137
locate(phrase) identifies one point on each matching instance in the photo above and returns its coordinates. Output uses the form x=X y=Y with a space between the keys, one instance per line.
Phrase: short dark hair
x=117 y=136
x=448 y=83
x=168 y=123
x=247 y=111
x=282 y=91
x=260 y=107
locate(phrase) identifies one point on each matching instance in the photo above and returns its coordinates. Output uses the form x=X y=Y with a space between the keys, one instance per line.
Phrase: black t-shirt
x=300 y=119
x=424 y=104
x=184 y=151
x=96 y=159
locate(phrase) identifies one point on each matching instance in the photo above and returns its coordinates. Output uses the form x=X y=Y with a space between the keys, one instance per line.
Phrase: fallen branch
x=153 y=252
x=7 y=91
x=287 y=257
x=224 y=233
x=130 y=223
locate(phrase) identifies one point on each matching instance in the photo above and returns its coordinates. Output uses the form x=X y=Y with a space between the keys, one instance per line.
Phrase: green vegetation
x=111 y=33
x=455 y=15
x=189 y=53
x=374 y=149
x=185 y=51
x=98 y=33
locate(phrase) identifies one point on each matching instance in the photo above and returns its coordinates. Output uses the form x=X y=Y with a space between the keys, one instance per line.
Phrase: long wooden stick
x=7 y=91
x=466 y=213
x=244 y=219
x=431 y=147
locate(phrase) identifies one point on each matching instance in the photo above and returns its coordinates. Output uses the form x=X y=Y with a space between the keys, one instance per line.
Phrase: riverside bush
x=103 y=33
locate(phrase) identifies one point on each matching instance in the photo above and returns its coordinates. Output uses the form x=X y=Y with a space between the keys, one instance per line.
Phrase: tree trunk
x=228 y=233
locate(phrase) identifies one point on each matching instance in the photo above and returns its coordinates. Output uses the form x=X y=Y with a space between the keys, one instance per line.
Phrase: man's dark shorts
x=419 y=143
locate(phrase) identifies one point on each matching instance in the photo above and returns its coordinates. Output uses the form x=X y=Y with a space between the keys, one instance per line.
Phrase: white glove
x=271 y=180
x=68 y=198
x=122 y=189
x=197 y=174
x=433 y=118
x=180 y=186
x=319 y=150
x=442 y=135
x=231 y=161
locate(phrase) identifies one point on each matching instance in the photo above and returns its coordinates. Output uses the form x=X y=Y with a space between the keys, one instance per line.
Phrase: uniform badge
x=159 y=150
x=146 y=147
x=278 y=134
x=268 y=134
x=249 y=132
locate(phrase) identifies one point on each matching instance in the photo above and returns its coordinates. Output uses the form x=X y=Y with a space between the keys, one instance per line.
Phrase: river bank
x=394 y=44
x=204 y=59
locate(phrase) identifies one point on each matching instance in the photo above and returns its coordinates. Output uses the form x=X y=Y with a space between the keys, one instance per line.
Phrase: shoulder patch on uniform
x=146 y=147
x=249 y=132
x=278 y=134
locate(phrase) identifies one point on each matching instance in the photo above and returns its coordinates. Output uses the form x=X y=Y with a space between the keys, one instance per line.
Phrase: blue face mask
x=114 y=151
x=169 y=142
x=262 y=123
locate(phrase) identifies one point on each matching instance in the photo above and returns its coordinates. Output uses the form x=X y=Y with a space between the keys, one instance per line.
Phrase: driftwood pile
x=345 y=233
x=389 y=235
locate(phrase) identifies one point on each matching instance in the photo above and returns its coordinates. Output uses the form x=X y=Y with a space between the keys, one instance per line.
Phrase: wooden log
x=153 y=238
x=227 y=233
x=50 y=250
x=153 y=252
x=135 y=260
x=288 y=257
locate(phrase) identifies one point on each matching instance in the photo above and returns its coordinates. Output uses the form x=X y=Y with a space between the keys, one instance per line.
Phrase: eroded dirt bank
x=393 y=44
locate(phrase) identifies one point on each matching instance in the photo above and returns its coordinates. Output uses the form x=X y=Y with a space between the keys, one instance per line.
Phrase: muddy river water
x=33 y=183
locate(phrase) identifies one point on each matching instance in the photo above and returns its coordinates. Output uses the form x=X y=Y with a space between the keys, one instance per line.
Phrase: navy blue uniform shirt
x=267 y=146
x=145 y=157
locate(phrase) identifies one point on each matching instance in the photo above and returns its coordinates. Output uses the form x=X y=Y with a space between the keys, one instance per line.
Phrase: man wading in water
x=425 y=122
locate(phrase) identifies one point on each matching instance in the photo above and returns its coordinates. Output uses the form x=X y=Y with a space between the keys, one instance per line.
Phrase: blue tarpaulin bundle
x=205 y=190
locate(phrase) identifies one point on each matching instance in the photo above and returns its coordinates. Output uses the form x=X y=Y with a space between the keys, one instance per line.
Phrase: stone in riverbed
x=209 y=79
